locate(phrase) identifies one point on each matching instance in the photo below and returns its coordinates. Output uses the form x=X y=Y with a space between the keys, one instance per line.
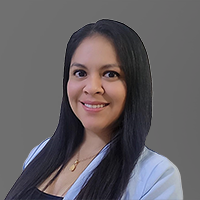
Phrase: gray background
x=33 y=37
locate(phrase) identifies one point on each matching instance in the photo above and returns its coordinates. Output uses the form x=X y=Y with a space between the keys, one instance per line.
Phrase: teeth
x=94 y=106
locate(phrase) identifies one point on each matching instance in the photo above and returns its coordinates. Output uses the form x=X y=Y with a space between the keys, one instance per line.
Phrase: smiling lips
x=94 y=105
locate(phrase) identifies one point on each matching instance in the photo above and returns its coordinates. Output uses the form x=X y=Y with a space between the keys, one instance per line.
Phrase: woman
x=98 y=149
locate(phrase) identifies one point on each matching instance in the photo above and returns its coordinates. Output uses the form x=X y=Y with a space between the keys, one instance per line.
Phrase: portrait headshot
x=87 y=119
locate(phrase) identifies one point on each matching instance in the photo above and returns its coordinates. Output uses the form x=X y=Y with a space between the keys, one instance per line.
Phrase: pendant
x=73 y=167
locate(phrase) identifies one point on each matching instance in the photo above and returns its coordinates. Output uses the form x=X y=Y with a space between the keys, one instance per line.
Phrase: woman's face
x=96 y=87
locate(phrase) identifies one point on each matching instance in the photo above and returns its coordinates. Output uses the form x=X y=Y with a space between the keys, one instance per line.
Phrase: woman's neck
x=93 y=142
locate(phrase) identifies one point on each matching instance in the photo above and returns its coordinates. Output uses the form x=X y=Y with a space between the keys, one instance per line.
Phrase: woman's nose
x=93 y=86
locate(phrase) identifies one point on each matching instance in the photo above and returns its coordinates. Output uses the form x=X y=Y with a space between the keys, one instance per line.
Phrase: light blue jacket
x=153 y=178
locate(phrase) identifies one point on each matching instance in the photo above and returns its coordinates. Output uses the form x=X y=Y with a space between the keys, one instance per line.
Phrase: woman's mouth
x=95 y=105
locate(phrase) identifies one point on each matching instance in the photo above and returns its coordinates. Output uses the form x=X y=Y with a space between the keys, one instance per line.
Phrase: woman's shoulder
x=34 y=152
x=152 y=165
x=150 y=160
x=154 y=176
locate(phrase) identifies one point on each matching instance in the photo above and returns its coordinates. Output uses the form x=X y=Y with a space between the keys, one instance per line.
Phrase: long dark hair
x=129 y=132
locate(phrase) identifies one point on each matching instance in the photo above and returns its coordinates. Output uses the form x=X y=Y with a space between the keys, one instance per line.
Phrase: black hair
x=129 y=133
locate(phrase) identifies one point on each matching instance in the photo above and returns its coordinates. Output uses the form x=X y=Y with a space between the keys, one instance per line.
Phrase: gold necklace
x=77 y=161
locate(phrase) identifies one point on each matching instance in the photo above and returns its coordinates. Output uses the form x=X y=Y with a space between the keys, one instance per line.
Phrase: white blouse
x=153 y=178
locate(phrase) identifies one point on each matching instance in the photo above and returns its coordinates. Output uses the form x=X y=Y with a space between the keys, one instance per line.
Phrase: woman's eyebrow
x=78 y=65
x=110 y=66
x=103 y=67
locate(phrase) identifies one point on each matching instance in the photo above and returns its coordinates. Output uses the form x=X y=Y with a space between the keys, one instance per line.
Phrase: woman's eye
x=80 y=73
x=111 y=74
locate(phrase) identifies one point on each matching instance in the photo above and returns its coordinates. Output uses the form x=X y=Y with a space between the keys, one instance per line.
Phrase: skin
x=95 y=79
